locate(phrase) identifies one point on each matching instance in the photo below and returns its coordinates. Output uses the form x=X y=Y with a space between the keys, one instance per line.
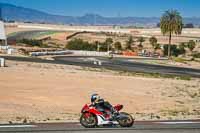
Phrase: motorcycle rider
x=102 y=105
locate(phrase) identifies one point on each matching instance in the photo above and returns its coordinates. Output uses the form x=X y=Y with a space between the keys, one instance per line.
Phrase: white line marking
x=17 y=126
x=178 y=122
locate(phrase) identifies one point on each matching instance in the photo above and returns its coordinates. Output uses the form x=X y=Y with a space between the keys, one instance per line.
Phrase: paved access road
x=190 y=126
x=121 y=64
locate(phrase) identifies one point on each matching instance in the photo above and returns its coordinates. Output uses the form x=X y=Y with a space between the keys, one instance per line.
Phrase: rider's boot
x=114 y=114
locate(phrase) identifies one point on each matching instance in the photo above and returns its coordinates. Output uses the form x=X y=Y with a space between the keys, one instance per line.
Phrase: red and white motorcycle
x=91 y=117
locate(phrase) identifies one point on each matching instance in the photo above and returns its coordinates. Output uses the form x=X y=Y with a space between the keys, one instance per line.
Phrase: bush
x=118 y=46
x=196 y=55
x=175 y=51
x=79 y=44
x=32 y=43
x=182 y=48
x=103 y=47
x=23 y=51
x=191 y=45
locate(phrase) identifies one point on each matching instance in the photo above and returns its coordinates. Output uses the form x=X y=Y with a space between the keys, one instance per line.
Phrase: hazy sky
x=141 y=8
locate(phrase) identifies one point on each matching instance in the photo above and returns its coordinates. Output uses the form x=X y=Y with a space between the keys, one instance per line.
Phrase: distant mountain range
x=14 y=13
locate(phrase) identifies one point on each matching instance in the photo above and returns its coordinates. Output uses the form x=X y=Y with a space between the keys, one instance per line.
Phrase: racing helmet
x=95 y=98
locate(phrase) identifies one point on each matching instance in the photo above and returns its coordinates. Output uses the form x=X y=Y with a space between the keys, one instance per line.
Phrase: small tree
x=153 y=41
x=103 y=47
x=157 y=46
x=182 y=48
x=118 y=46
x=191 y=45
x=141 y=40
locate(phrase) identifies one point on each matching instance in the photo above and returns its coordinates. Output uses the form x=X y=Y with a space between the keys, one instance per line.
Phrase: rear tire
x=128 y=122
x=90 y=122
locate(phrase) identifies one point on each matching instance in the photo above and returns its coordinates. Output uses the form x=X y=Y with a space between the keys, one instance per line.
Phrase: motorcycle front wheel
x=88 y=121
x=128 y=122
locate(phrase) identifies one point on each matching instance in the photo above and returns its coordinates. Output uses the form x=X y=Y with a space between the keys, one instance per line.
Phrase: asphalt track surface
x=190 y=126
x=119 y=64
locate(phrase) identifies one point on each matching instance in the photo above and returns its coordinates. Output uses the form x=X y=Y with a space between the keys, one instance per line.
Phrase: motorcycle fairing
x=103 y=121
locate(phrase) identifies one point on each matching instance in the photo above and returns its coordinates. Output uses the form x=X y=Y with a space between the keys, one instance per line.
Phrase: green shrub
x=118 y=46
x=191 y=45
x=175 y=51
x=103 y=47
x=79 y=44
x=196 y=55
x=32 y=43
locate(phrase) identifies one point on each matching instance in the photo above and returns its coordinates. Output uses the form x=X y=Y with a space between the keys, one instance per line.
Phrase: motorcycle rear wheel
x=127 y=122
x=90 y=122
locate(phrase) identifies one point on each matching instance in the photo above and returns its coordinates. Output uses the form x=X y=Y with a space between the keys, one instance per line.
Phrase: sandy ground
x=46 y=92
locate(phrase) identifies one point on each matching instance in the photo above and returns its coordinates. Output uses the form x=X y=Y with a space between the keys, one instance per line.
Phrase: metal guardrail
x=89 y=53
x=49 y=53
x=75 y=52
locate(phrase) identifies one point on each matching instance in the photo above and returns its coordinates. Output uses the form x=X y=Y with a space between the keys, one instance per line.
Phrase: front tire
x=127 y=122
x=88 y=122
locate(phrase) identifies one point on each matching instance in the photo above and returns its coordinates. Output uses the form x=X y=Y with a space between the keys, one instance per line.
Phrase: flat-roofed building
x=3 y=39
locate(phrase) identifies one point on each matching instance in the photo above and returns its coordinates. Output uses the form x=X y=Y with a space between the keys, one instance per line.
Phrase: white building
x=3 y=39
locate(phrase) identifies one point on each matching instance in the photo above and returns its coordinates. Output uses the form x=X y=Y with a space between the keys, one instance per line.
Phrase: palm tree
x=141 y=40
x=129 y=43
x=171 y=23
x=97 y=43
x=108 y=42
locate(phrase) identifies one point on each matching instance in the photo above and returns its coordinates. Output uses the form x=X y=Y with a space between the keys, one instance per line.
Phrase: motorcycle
x=91 y=117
